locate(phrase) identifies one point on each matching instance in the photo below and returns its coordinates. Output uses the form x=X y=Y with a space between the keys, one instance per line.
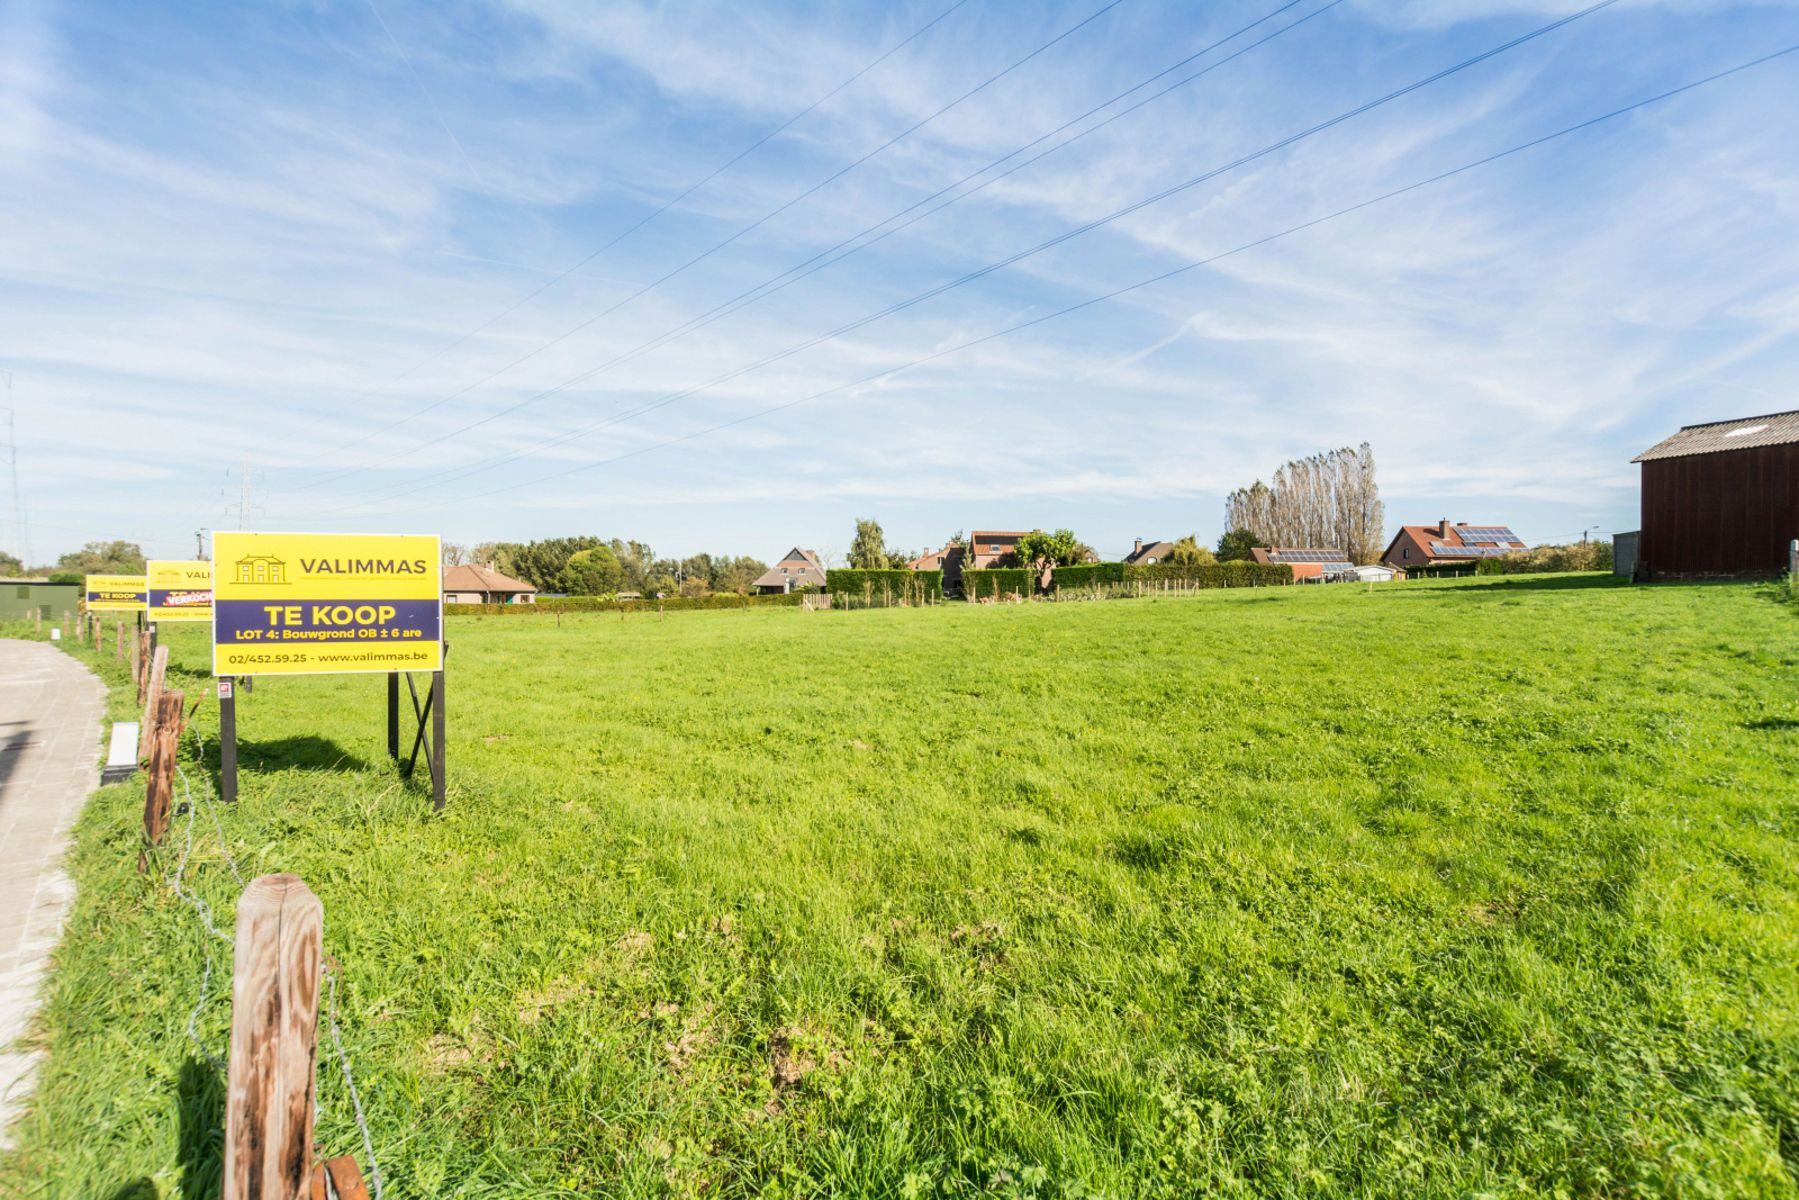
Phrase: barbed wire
x=177 y=884
x=337 y=1040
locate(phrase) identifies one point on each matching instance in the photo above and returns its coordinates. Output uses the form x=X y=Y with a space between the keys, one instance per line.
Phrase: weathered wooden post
x=159 y=786
x=159 y=665
x=274 y=1040
x=118 y=628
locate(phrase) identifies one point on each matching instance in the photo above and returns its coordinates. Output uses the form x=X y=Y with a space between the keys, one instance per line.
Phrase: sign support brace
x=431 y=711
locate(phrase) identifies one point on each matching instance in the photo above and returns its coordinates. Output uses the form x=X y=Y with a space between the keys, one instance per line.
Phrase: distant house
x=1444 y=548
x=935 y=560
x=800 y=568
x=1721 y=498
x=485 y=585
x=1150 y=555
x=26 y=597
x=1307 y=562
x=990 y=548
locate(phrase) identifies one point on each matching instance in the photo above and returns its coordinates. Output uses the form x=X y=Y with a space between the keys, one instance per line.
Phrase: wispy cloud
x=261 y=234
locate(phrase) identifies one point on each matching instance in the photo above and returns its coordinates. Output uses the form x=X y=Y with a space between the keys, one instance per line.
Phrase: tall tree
x=638 y=561
x=592 y=572
x=454 y=554
x=1236 y=544
x=540 y=563
x=104 y=558
x=1189 y=553
x=868 y=550
x=737 y=574
x=1037 y=549
x=1328 y=500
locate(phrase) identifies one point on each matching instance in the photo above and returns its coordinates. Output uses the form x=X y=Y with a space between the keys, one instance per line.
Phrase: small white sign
x=55 y=635
x=224 y=689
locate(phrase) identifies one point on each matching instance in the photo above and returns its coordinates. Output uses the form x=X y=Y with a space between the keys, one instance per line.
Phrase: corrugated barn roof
x=1716 y=437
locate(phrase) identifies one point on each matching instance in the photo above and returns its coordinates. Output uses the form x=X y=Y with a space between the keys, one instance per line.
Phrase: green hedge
x=1576 y=556
x=547 y=608
x=851 y=586
x=998 y=581
x=1212 y=575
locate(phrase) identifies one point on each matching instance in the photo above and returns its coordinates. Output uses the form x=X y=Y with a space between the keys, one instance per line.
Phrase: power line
x=426 y=93
x=814 y=264
x=558 y=277
x=990 y=268
x=752 y=226
x=1155 y=279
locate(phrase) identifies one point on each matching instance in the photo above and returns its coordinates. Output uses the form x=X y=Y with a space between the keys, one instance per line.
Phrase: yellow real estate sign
x=179 y=591
x=116 y=593
x=325 y=603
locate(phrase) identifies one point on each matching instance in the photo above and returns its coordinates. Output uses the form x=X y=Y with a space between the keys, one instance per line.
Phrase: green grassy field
x=1458 y=889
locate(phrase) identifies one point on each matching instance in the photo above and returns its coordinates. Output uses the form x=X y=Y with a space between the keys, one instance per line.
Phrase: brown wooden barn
x=1721 y=499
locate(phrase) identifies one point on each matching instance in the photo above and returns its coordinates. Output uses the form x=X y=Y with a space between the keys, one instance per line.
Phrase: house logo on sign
x=261 y=568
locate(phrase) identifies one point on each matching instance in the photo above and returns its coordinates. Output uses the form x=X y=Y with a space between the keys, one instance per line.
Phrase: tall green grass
x=1445 y=889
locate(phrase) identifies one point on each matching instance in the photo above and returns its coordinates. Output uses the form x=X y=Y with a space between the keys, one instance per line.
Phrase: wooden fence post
x=159 y=666
x=159 y=787
x=274 y=1040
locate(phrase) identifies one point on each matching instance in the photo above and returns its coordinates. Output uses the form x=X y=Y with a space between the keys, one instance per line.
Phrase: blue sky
x=297 y=236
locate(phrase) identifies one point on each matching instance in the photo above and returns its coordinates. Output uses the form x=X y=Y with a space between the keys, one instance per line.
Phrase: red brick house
x=989 y=548
x=1307 y=562
x=1446 y=547
x=936 y=560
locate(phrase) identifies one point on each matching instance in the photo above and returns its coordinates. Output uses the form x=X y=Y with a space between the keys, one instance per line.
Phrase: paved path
x=51 y=708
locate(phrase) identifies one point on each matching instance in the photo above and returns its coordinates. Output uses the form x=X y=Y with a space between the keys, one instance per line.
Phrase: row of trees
x=95 y=558
x=591 y=566
x=1328 y=500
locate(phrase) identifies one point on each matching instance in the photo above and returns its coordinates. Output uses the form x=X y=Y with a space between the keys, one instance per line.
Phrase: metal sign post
x=433 y=711
x=227 y=739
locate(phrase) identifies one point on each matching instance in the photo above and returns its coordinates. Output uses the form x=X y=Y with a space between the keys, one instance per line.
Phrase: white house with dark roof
x=469 y=584
x=1149 y=553
x=797 y=569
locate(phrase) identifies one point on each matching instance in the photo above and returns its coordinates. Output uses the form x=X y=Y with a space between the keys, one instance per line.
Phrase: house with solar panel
x=1446 y=549
x=1310 y=564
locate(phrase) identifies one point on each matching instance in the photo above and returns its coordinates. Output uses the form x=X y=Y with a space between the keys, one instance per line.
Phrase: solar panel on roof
x=1487 y=533
x=1443 y=550
x=1306 y=556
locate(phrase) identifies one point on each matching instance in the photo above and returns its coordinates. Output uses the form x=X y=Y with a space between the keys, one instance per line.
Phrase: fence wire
x=177 y=883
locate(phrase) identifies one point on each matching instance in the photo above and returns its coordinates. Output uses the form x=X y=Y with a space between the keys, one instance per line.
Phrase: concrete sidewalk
x=51 y=709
